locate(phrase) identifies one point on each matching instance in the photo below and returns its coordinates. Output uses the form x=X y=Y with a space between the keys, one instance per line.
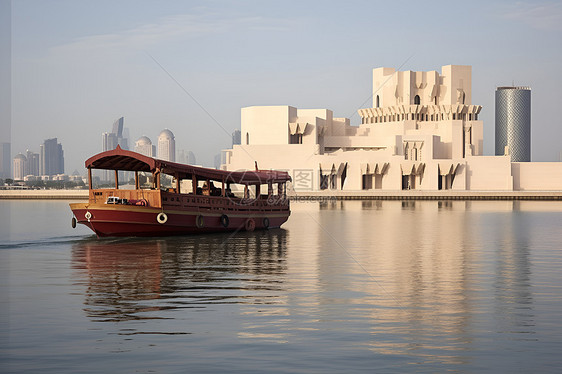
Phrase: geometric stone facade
x=422 y=132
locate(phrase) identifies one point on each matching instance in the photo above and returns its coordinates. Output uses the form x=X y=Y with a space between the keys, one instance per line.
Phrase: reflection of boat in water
x=180 y=199
x=131 y=279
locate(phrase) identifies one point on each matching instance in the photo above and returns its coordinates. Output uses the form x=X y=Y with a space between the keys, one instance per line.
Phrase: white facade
x=144 y=146
x=422 y=133
x=166 y=146
x=19 y=167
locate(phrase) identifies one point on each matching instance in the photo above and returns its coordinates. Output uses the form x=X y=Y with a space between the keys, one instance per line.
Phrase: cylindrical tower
x=513 y=122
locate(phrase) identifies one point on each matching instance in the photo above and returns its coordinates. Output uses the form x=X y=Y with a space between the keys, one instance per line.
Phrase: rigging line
x=193 y=98
x=358 y=263
x=373 y=94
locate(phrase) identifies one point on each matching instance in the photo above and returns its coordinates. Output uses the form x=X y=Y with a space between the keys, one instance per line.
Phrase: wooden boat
x=180 y=199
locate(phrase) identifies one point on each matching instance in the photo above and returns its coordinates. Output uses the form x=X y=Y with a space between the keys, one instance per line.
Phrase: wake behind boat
x=177 y=199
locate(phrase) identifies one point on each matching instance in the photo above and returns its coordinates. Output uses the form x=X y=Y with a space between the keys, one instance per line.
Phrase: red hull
x=124 y=220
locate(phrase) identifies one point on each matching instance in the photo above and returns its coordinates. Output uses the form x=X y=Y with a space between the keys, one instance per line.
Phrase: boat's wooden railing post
x=156 y=176
x=90 y=183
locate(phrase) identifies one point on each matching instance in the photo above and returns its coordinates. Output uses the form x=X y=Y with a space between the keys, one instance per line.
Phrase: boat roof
x=120 y=159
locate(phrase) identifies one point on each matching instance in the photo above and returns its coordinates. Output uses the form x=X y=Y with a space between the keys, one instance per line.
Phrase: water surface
x=356 y=286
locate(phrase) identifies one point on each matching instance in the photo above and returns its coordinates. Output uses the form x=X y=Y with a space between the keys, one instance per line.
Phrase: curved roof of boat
x=120 y=159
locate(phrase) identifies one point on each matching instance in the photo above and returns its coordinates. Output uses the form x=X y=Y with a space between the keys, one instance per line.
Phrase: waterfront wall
x=44 y=194
x=537 y=176
x=331 y=194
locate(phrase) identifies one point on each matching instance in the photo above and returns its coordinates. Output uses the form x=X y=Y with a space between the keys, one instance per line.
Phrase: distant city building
x=110 y=140
x=20 y=170
x=513 y=123
x=166 y=146
x=144 y=146
x=185 y=157
x=236 y=137
x=32 y=165
x=51 y=159
x=217 y=161
x=5 y=160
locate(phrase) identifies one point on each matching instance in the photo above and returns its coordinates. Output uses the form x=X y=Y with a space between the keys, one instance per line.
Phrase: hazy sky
x=79 y=65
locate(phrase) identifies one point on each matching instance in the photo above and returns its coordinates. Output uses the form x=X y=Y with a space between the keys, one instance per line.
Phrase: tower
x=513 y=123
x=51 y=158
x=166 y=146
x=144 y=146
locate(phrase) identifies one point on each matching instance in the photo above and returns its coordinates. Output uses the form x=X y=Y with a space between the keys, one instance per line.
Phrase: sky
x=190 y=66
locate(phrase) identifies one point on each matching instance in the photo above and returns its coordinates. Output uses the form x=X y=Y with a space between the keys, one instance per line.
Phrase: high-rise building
x=51 y=159
x=5 y=164
x=32 y=165
x=20 y=169
x=166 y=146
x=236 y=137
x=144 y=146
x=185 y=157
x=513 y=123
x=109 y=141
x=117 y=136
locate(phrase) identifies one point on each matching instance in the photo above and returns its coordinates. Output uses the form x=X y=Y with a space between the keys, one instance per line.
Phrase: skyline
x=75 y=67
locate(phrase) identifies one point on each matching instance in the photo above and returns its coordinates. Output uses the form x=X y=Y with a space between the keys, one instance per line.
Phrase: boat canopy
x=120 y=159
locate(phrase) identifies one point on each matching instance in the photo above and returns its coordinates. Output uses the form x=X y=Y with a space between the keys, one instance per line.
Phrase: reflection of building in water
x=122 y=277
x=403 y=264
x=513 y=297
x=413 y=268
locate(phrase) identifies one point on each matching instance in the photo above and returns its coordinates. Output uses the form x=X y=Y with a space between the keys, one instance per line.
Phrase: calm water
x=345 y=287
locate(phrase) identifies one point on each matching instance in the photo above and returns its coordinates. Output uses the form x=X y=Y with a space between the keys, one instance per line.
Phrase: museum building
x=421 y=133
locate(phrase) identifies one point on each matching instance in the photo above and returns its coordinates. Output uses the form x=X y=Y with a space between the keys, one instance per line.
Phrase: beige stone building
x=422 y=133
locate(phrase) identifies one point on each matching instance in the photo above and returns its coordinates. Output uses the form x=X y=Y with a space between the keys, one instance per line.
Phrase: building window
x=247 y=138
x=417 y=100
x=295 y=139
x=378 y=101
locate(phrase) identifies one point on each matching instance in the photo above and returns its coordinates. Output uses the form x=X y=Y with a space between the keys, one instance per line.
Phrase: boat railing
x=149 y=197
x=157 y=198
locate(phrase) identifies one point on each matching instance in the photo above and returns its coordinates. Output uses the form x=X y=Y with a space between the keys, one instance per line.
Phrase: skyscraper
x=144 y=146
x=32 y=165
x=513 y=122
x=166 y=146
x=236 y=137
x=5 y=164
x=51 y=159
x=20 y=171
x=110 y=140
x=185 y=157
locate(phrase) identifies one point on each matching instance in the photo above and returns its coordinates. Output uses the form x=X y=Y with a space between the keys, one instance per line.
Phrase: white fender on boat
x=162 y=218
